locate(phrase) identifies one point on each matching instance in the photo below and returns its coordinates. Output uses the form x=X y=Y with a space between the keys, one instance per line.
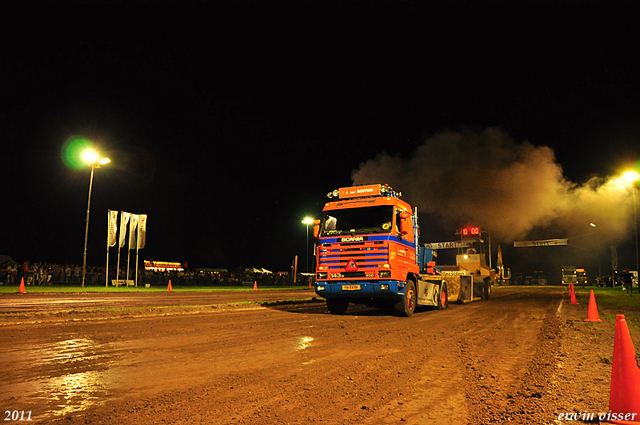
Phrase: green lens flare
x=72 y=151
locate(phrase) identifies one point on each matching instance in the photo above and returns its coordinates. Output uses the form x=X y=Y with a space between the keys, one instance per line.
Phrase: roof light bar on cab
x=363 y=191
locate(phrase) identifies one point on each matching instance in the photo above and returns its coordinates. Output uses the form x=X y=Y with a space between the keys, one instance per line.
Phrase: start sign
x=470 y=232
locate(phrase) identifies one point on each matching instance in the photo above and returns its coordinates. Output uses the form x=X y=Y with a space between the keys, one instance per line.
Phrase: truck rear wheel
x=407 y=305
x=487 y=289
x=337 y=305
x=443 y=297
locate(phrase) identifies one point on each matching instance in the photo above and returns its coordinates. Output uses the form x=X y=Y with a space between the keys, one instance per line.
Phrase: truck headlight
x=384 y=287
x=320 y=288
x=384 y=273
x=322 y=275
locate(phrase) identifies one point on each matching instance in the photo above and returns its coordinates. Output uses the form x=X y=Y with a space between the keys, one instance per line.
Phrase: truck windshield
x=358 y=220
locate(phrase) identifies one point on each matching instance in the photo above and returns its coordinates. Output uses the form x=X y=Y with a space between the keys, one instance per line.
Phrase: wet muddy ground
x=197 y=358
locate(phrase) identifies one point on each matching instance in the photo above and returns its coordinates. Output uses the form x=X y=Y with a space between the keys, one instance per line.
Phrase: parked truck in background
x=581 y=277
x=569 y=275
x=368 y=252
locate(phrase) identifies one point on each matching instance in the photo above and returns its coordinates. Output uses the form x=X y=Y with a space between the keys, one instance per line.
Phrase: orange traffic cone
x=624 y=398
x=21 y=290
x=572 y=290
x=255 y=285
x=169 y=286
x=574 y=301
x=592 y=313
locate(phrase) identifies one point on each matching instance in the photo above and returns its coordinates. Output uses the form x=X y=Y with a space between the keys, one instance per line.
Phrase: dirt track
x=524 y=356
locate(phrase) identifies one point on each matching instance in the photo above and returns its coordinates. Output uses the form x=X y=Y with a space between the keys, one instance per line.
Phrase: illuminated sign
x=358 y=191
x=162 y=265
x=449 y=245
x=455 y=273
x=546 y=242
x=470 y=232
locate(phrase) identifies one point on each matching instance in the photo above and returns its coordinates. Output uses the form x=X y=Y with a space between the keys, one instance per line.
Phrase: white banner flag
x=142 y=231
x=132 y=231
x=112 y=236
x=124 y=220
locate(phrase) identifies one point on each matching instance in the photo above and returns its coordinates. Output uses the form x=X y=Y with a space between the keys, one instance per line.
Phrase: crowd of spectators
x=40 y=273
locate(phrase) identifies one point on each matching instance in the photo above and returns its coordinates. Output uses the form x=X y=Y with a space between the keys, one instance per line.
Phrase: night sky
x=227 y=124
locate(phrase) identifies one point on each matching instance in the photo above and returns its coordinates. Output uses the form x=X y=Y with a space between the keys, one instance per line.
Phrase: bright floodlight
x=104 y=161
x=89 y=156
x=592 y=225
x=308 y=220
x=631 y=176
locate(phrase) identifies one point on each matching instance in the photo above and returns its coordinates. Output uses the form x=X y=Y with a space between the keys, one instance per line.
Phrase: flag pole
x=141 y=240
x=106 y=270
x=133 y=228
x=112 y=238
x=124 y=220
x=118 y=263
x=128 y=257
x=137 y=246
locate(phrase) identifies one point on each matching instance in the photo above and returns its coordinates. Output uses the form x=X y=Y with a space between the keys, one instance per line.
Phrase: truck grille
x=368 y=256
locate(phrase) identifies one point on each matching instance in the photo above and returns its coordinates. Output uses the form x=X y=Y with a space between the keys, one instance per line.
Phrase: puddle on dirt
x=73 y=375
x=304 y=342
x=76 y=392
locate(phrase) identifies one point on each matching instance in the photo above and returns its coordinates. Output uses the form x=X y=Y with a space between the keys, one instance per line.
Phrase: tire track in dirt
x=484 y=371
x=510 y=364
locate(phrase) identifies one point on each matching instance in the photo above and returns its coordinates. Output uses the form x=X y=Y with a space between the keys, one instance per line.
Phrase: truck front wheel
x=337 y=305
x=407 y=305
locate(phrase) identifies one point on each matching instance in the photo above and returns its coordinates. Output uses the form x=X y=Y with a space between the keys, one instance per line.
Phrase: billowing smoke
x=512 y=189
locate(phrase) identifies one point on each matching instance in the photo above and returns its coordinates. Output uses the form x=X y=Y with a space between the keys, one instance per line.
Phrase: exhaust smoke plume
x=487 y=179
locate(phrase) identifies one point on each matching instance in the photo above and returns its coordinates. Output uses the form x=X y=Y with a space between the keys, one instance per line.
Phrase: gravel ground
x=525 y=356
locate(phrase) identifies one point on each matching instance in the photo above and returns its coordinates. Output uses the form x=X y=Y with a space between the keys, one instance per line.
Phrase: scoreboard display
x=471 y=232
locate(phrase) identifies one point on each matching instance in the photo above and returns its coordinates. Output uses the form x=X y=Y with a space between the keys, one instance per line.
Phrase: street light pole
x=307 y=266
x=598 y=252
x=307 y=221
x=86 y=228
x=633 y=177
x=635 y=218
x=93 y=160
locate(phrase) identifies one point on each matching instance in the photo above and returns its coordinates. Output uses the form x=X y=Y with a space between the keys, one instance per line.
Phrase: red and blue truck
x=368 y=252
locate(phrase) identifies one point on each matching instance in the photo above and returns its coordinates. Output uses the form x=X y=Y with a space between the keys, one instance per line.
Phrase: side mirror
x=405 y=224
x=316 y=229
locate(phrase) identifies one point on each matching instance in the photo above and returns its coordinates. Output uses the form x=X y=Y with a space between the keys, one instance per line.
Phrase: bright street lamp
x=633 y=177
x=307 y=221
x=94 y=161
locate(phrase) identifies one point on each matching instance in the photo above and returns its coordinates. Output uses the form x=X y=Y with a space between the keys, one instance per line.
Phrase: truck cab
x=368 y=252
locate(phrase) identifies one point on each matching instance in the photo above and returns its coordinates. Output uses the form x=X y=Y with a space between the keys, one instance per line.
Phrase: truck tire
x=487 y=289
x=407 y=305
x=443 y=297
x=337 y=305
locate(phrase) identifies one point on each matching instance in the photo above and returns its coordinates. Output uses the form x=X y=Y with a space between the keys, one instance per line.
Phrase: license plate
x=350 y=287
